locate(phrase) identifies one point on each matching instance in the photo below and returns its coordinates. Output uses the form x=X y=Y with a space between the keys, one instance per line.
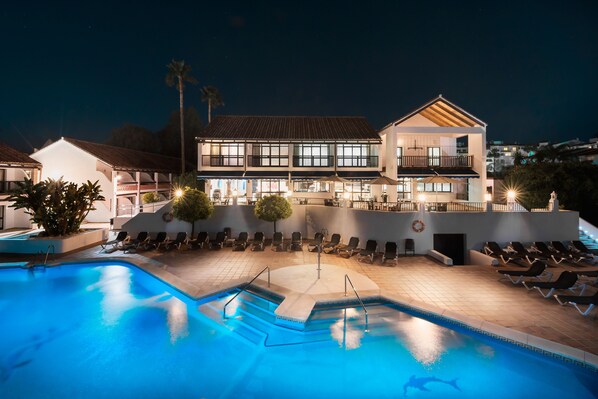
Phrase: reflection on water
x=347 y=336
x=115 y=285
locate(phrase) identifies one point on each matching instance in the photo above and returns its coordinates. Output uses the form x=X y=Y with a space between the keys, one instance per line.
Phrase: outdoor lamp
x=289 y=194
x=511 y=195
x=346 y=195
x=421 y=198
x=178 y=193
x=488 y=197
x=235 y=193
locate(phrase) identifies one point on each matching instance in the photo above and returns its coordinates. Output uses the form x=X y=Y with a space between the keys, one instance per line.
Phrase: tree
x=169 y=136
x=273 y=208
x=191 y=206
x=134 y=137
x=179 y=73
x=150 y=197
x=213 y=97
x=58 y=206
x=188 y=180
x=574 y=182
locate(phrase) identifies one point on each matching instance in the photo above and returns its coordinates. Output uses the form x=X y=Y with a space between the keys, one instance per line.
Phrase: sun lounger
x=409 y=246
x=566 y=281
x=278 y=242
x=369 y=251
x=590 y=300
x=313 y=246
x=181 y=238
x=258 y=241
x=142 y=239
x=240 y=243
x=536 y=270
x=580 y=247
x=522 y=252
x=346 y=251
x=218 y=242
x=117 y=242
x=390 y=252
x=201 y=240
x=591 y=275
x=296 y=241
x=493 y=249
x=330 y=247
x=542 y=248
x=573 y=256
x=160 y=240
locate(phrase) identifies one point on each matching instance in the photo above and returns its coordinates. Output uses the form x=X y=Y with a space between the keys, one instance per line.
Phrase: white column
x=391 y=162
x=138 y=195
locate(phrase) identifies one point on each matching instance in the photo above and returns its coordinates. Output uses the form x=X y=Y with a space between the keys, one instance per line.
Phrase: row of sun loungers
x=540 y=251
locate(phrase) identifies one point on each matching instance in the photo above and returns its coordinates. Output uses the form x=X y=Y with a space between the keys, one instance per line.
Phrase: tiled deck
x=468 y=290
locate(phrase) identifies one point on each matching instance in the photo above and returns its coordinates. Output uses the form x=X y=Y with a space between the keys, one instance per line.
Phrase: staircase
x=589 y=240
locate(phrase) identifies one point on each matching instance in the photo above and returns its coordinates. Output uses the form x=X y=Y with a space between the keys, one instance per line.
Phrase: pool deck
x=470 y=294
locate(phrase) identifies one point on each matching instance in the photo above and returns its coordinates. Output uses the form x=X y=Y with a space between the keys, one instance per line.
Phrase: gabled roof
x=290 y=129
x=444 y=113
x=124 y=159
x=11 y=157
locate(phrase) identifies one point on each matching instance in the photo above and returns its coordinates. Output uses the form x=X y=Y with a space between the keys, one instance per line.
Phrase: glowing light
x=346 y=195
x=118 y=177
x=235 y=193
x=421 y=198
x=178 y=193
x=511 y=195
x=488 y=197
x=289 y=193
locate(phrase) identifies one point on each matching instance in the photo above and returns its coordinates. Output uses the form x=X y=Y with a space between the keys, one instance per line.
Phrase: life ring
x=167 y=217
x=418 y=226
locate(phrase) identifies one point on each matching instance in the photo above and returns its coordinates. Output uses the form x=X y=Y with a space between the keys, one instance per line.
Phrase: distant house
x=15 y=166
x=124 y=174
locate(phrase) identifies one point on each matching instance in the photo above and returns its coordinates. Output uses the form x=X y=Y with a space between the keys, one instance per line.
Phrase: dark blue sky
x=530 y=70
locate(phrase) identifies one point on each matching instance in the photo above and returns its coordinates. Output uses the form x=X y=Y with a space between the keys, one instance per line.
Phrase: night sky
x=529 y=70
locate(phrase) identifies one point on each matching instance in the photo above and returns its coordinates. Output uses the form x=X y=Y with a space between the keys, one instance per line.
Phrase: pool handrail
x=245 y=288
x=358 y=298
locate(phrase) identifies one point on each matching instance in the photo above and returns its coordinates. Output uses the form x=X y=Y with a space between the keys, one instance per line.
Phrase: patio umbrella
x=384 y=180
x=333 y=179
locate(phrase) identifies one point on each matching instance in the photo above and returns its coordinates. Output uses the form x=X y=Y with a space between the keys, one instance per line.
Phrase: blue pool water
x=112 y=331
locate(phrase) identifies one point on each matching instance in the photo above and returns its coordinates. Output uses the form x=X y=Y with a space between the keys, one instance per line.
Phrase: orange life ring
x=418 y=226
x=167 y=217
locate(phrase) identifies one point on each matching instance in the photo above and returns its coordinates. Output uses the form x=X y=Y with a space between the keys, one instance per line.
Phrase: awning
x=446 y=172
x=310 y=174
x=266 y=174
x=220 y=174
x=359 y=174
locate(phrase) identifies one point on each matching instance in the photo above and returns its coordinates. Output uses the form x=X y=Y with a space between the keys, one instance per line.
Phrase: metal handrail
x=48 y=253
x=245 y=288
x=358 y=298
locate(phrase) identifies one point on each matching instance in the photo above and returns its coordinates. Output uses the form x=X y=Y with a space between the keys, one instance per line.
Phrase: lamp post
x=511 y=196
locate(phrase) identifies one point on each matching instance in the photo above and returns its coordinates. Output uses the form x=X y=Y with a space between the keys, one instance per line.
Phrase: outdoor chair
x=566 y=281
x=523 y=252
x=160 y=240
x=390 y=252
x=240 y=243
x=536 y=270
x=218 y=242
x=346 y=251
x=142 y=238
x=574 y=256
x=296 y=241
x=278 y=242
x=201 y=240
x=117 y=242
x=542 y=248
x=590 y=300
x=330 y=247
x=409 y=246
x=228 y=236
x=591 y=275
x=313 y=246
x=369 y=251
x=493 y=249
x=580 y=247
x=181 y=238
x=258 y=241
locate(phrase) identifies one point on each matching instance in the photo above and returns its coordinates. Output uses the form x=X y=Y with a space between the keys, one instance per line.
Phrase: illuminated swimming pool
x=113 y=331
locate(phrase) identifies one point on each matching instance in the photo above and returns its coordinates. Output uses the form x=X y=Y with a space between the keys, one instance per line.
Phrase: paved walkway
x=469 y=290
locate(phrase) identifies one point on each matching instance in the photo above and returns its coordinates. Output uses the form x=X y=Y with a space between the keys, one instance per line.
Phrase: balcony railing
x=368 y=161
x=416 y=161
x=267 y=160
x=132 y=186
x=222 y=160
x=314 y=160
x=7 y=186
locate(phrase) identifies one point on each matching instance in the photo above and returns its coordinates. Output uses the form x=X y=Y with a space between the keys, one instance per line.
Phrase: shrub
x=150 y=197
x=273 y=208
x=193 y=205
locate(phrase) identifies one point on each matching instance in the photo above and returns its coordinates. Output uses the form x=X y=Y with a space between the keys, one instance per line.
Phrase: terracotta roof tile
x=290 y=128
x=10 y=156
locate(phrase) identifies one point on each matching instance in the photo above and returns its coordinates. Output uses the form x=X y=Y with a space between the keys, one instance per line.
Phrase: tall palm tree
x=213 y=97
x=178 y=73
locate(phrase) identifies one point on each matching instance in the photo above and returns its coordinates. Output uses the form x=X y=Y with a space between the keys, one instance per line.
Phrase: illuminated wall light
x=488 y=197
x=511 y=195
x=178 y=193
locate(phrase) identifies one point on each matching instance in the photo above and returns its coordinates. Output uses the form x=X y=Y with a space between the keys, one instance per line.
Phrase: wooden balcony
x=459 y=161
x=143 y=187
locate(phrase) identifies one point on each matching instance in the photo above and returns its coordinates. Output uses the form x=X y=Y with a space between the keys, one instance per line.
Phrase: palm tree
x=213 y=97
x=178 y=73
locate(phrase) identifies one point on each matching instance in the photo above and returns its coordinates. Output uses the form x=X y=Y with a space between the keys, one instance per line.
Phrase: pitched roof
x=444 y=113
x=11 y=157
x=125 y=159
x=290 y=128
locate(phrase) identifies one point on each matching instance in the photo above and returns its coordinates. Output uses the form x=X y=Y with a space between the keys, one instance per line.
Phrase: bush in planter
x=193 y=205
x=58 y=206
x=150 y=197
x=273 y=208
